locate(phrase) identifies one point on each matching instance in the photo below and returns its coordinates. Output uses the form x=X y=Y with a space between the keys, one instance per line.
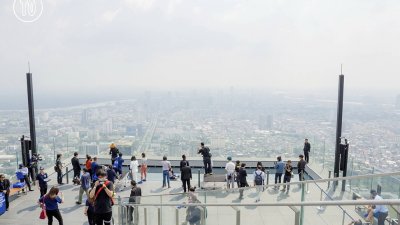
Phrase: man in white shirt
x=259 y=177
x=382 y=210
x=24 y=170
x=230 y=172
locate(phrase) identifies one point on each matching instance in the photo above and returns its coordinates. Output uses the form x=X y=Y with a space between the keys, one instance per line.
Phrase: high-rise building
x=89 y=149
x=85 y=116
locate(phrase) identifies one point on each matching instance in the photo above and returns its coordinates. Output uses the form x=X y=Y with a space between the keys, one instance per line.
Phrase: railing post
x=296 y=215
x=145 y=216
x=198 y=177
x=329 y=176
x=159 y=215
x=302 y=200
x=120 y=216
x=344 y=214
x=177 y=216
x=66 y=173
x=267 y=177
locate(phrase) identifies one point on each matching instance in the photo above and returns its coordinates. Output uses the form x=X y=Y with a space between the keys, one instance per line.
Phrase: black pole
x=345 y=159
x=339 y=125
x=31 y=108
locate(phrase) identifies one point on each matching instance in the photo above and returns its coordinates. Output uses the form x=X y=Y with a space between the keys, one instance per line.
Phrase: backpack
x=207 y=151
x=258 y=178
x=115 y=165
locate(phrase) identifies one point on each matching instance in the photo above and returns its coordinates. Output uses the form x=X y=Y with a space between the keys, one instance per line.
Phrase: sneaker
x=211 y=173
x=140 y=182
x=283 y=189
x=144 y=180
x=78 y=203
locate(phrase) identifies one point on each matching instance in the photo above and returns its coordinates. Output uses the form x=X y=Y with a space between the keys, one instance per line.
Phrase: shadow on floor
x=158 y=190
x=71 y=209
x=28 y=209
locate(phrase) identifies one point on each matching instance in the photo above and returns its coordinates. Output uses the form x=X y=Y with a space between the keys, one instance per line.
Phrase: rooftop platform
x=25 y=211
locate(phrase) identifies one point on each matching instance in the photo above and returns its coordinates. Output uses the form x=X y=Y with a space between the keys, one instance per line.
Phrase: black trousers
x=184 y=183
x=286 y=179
x=103 y=218
x=43 y=191
x=381 y=218
x=207 y=165
x=77 y=173
x=26 y=179
x=301 y=175
x=59 y=177
x=91 y=218
x=306 y=157
x=278 y=177
x=54 y=213
x=6 y=195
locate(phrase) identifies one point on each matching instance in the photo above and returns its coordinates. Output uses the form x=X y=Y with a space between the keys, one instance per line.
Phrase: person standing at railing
x=279 y=169
x=113 y=152
x=166 y=167
x=24 y=171
x=94 y=166
x=134 y=168
x=242 y=179
x=58 y=168
x=230 y=172
x=5 y=188
x=288 y=175
x=306 y=149
x=205 y=152
x=76 y=166
x=42 y=179
x=301 y=167
x=88 y=165
x=143 y=167
x=381 y=210
x=118 y=163
x=186 y=176
x=259 y=177
x=237 y=168
x=183 y=161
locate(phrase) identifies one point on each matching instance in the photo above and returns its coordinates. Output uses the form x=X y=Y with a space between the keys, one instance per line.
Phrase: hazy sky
x=101 y=45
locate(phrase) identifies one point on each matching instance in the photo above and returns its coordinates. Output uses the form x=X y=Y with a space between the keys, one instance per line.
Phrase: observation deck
x=314 y=201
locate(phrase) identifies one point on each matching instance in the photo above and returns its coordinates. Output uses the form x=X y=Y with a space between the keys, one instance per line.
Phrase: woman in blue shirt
x=51 y=201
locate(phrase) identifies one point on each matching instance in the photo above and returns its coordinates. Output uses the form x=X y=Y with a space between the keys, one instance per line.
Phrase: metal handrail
x=312 y=203
x=293 y=183
x=344 y=211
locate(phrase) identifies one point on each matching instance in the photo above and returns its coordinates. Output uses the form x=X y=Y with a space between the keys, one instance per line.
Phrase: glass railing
x=308 y=202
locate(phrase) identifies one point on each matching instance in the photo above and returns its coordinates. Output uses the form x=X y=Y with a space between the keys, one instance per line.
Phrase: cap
x=229 y=158
x=20 y=165
x=373 y=192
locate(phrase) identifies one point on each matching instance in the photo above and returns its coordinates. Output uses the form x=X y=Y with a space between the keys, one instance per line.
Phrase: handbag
x=43 y=214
